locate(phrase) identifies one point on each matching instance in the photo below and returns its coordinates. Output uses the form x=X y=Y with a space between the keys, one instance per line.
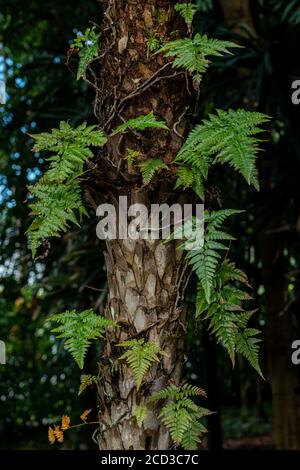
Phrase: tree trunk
x=146 y=278
x=280 y=335
x=237 y=15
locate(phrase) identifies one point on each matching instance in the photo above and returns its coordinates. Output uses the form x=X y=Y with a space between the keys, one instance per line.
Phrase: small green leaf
x=148 y=121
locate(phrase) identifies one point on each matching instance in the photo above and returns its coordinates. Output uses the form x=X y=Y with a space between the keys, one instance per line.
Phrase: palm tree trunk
x=146 y=278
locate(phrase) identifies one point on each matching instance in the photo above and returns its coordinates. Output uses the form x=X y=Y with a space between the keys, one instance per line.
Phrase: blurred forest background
x=40 y=381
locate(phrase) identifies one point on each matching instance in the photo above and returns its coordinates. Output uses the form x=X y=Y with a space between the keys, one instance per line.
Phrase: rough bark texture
x=146 y=278
x=143 y=292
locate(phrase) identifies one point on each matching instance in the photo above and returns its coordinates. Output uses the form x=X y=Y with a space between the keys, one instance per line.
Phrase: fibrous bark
x=146 y=278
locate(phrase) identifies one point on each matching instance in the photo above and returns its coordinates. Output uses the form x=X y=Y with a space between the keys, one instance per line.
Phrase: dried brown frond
x=51 y=435
x=85 y=415
x=65 y=423
x=58 y=434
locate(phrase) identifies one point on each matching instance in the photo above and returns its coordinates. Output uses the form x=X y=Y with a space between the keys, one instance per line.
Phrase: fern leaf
x=70 y=147
x=171 y=391
x=149 y=168
x=191 y=54
x=228 y=137
x=86 y=55
x=227 y=317
x=190 y=178
x=188 y=390
x=140 y=357
x=86 y=381
x=55 y=207
x=192 y=437
x=79 y=329
x=229 y=272
x=88 y=45
x=148 y=121
x=181 y=415
x=57 y=203
x=223 y=325
x=131 y=156
x=187 y=11
x=205 y=261
x=247 y=345
x=140 y=413
x=177 y=420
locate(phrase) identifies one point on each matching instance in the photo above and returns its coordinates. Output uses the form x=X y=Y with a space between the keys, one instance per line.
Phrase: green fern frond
x=188 y=390
x=226 y=315
x=148 y=121
x=189 y=178
x=149 y=168
x=187 y=11
x=177 y=420
x=86 y=381
x=70 y=147
x=191 y=54
x=171 y=391
x=88 y=45
x=205 y=260
x=154 y=41
x=229 y=272
x=192 y=436
x=178 y=393
x=58 y=193
x=223 y=326
x=186 y=177
x=247 y=345
x=131 y=156
x=55 y=207
x=228 y=137
x=79 y=328
x=181 y=415
x=140 y=357
x=140 y=413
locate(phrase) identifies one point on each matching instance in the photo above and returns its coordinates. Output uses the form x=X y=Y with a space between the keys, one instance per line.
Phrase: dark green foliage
x=70 y=147
x=149 y=121
x=192 y=54
x=56 y=206
x=205 y=259
x=227 y=317
x=187 y=11
x=227 y=137
x=181 y=415
x=79 y=328
x=140 y=413
x=140 y=357
x=58 y=193
x=150 y=167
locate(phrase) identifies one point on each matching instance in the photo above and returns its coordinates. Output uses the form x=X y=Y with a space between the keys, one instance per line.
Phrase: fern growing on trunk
x=181 y=415
x=152 y=149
